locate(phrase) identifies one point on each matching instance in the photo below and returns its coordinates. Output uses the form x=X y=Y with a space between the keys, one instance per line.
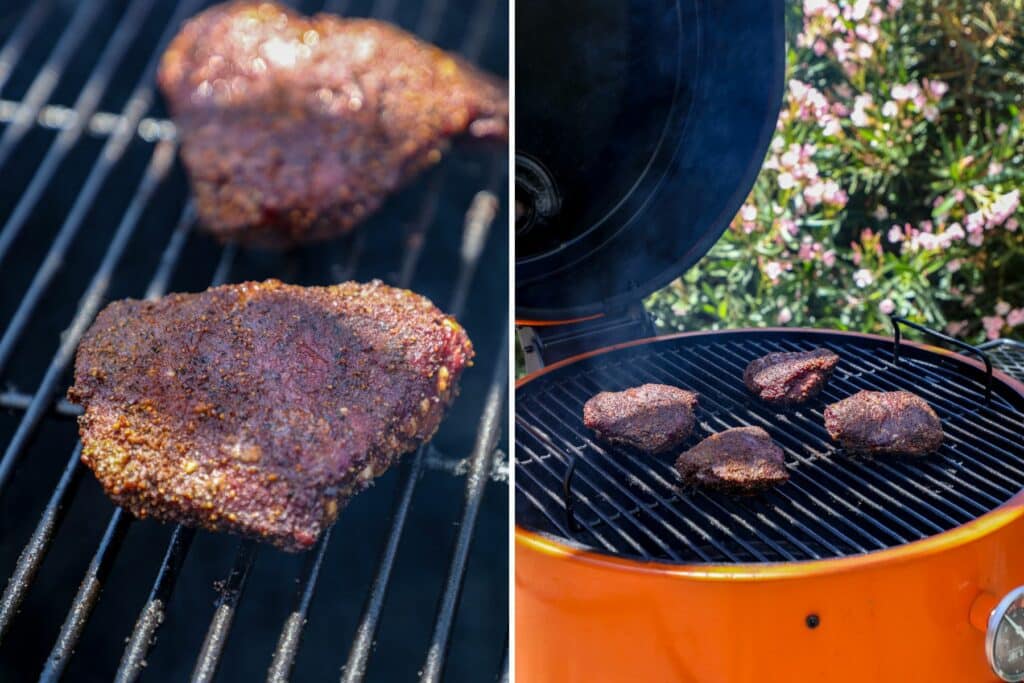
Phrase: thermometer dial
x=1004 y=640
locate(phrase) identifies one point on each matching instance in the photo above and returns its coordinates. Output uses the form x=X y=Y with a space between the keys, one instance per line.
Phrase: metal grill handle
x=898 y=320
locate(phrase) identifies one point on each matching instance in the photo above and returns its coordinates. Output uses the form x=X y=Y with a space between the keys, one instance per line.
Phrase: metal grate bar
x=84 y=107
x=291 y=634
x=143 y=635
x=1008 y=355
x=619 y=510
x=555 y=496
x=359 y=654
x=16 y=400
x=99 y=124
x=35 y=550
x=290 y=637
x=88 y=594
x=160 y=164
x=113 y=150
x=224 y=616
x=481 y=460
x=49 y=75
x=20 y=37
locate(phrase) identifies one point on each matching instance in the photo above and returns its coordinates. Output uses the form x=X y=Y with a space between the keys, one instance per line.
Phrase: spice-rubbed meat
x=293 y=129
x=261 y=408
x=790 y=377
x=884 y=422
x=651 y=417
x=739 y=460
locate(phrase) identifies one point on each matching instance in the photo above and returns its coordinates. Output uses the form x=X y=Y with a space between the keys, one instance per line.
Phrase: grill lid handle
x=964 y=346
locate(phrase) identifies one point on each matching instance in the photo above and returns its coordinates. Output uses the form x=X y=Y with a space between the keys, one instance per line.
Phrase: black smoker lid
x=640 y=128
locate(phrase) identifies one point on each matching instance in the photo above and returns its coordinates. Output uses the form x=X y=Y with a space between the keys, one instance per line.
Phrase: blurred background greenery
x=893 y=182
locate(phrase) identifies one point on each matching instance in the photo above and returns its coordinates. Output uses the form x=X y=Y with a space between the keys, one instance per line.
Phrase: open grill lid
x=641 y=127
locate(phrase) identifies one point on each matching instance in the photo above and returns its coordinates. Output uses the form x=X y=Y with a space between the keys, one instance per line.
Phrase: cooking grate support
x=626 y=503
x=135 y=122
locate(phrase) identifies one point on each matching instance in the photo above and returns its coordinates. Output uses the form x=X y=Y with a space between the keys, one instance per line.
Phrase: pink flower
x=788 y=227
x=974 y=222
x=814 y=192
x=954 y=265
x=786 y=180
x=955 y=327
x=1011 y=224
x=936 y=88
x=895 y=5
x=976 y=239
x=896 y=234
x=816 y=7
x=890 y=110
x=993 y=325
x=820 y=47
x=900 y=93
x=773 y=269
x=829 y=258
x=959 y=195
x=833 y=194
x=785 y=315
x=1015 y=317
x=863 y=278
x=954 y=233
x=1002 y=308
x=886 y=306
x=867 y=32
x=748 y=213
x=931 y=112
x=1002 y=208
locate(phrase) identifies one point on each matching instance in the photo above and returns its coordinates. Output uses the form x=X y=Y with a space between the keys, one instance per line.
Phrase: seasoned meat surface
x=261 y=408
x=790 y=377
x=739 y=460
x=651 y=417
x=884 y=422
x=293 y=129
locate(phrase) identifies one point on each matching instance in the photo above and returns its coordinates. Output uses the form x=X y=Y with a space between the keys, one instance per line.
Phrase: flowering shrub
x=893 y=182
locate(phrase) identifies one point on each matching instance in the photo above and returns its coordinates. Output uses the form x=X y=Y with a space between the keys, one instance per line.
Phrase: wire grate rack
x=1007 y=355
x=96 y=208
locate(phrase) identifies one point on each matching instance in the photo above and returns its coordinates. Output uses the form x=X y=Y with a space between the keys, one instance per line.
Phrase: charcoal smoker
x=94 y=207
x=640 y=129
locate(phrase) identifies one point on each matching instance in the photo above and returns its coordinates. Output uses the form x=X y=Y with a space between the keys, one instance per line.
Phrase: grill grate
x=835 y=505
x=50 y=271
x=1007 y=355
